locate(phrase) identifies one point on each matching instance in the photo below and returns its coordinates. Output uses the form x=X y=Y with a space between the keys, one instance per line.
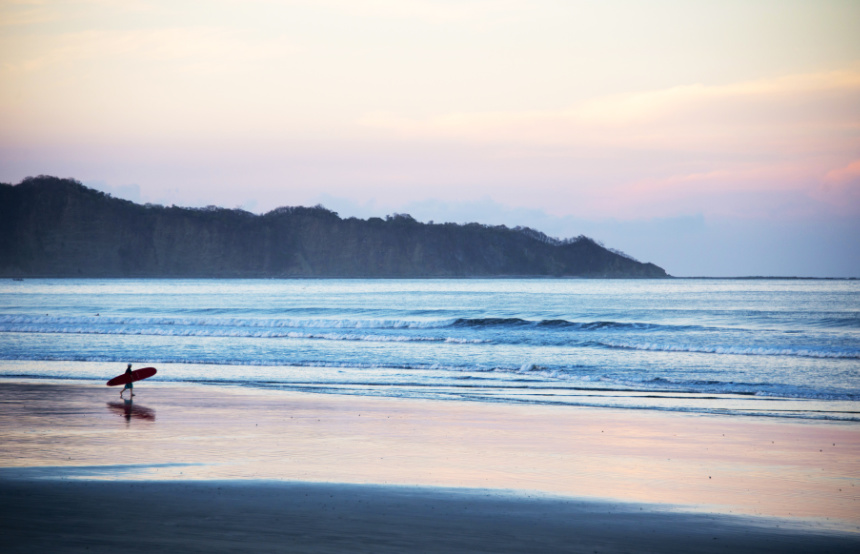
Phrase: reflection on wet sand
x=128 y=410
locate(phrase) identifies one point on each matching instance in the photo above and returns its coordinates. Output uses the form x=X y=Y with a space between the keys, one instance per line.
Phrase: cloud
x=426 y=10
x=179 y=44
x=741 y=149
x=21 y=14
x=848 y=176
x=671 y=117
x=31 y=13
x=841 y=188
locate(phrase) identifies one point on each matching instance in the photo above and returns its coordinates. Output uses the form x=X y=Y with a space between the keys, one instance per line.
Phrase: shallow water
x=754 y=347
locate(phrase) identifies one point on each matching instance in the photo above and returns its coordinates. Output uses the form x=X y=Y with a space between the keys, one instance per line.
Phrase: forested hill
x=52 y=227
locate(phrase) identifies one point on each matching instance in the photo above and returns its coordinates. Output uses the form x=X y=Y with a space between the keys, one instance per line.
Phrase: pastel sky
x=711 y=138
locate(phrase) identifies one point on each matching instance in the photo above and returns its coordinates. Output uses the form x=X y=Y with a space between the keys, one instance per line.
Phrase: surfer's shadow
x=129 y=411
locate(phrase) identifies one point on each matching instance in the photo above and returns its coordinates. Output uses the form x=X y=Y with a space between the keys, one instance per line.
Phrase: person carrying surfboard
x=128 y=385
x=130 y=376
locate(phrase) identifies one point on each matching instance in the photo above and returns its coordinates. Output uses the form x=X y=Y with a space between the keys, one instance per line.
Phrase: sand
x=246 y=516
x=191 y=468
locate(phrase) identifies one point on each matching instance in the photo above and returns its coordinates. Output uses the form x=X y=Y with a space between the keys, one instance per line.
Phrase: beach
x=308 y=517
x=191 y=467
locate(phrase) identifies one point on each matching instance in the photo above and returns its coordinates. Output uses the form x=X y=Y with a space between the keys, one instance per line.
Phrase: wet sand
x=221 y=469
x=253 y=516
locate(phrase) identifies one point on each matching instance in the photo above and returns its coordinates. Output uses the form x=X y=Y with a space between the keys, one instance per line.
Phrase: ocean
x=758 y=348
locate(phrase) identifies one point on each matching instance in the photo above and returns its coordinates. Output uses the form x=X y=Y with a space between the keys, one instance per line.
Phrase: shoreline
x=761 y=480
x=267 y=379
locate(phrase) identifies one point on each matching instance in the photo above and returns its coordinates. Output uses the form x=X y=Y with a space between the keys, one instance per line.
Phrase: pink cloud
x=848 y=176
x=841 y=188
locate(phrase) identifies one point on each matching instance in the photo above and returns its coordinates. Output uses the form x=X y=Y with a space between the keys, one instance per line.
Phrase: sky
x=711 y=138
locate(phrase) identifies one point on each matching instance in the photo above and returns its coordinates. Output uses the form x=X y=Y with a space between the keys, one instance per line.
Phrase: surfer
x=128 y=385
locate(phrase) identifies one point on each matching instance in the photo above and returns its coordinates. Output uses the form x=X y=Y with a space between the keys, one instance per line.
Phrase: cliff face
x=58 y=228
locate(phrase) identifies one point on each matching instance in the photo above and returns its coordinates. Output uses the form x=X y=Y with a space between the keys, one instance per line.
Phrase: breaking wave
x=735 y=350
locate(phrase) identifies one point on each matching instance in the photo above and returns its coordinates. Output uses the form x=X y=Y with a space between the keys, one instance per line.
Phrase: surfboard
x=136 y=375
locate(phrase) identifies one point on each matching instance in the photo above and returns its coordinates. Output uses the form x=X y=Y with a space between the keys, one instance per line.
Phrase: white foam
x=732 y=350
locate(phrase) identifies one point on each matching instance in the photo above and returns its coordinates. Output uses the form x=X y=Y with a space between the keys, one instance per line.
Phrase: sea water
x=779 y=348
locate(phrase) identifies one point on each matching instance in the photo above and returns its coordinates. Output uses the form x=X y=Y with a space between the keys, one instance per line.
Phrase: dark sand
x=255 y=516
x=195 y=468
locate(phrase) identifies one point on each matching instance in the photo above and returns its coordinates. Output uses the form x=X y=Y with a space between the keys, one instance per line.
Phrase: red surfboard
x=136 y=375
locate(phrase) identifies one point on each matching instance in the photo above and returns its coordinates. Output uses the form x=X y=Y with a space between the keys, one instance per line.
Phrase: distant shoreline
x=59 y=227
x=435 y=278
x=774 y=278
